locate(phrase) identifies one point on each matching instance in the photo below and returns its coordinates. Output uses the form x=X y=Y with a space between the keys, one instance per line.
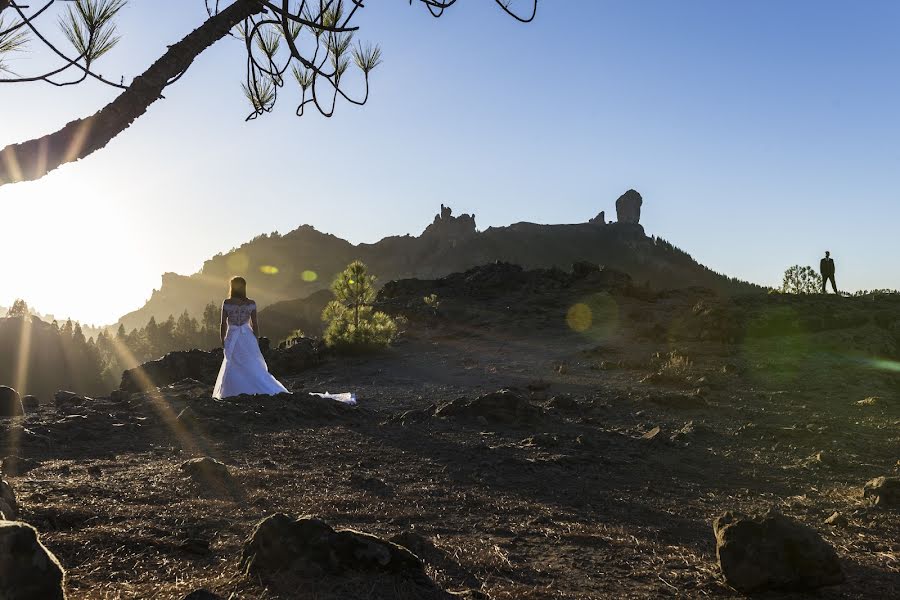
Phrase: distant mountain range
x=283 y=268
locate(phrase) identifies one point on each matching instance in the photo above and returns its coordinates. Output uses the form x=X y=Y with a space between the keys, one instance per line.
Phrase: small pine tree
x=353 y=324
x=801 y=280
x=19 y=309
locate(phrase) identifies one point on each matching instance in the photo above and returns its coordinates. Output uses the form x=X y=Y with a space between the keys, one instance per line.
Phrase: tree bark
x=35 y=158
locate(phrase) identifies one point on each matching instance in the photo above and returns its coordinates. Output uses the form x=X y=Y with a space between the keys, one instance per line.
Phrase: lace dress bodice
x=238 y=314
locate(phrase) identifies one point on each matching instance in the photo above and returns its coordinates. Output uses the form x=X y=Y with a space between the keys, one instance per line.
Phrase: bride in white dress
x=244 y=370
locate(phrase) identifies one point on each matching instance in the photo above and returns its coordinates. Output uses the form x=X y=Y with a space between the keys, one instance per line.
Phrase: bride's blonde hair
x=238 y=288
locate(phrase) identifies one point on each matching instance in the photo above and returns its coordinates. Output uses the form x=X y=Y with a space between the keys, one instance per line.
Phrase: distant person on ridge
x=826 y=267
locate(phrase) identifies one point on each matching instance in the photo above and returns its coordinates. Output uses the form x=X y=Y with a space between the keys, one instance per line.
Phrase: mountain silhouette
x=295 y=265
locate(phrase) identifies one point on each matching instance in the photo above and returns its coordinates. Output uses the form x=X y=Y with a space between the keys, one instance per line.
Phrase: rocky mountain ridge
x=304 y=261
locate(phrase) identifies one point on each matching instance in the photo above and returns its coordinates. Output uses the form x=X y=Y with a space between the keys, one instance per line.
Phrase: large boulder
x=773 y=552
x=883 y=492
x=28 y=571
x=504 y=406
x=628 y=208
x=171 y=368
x=9 y=508
x=309 y=547
x=10 y=403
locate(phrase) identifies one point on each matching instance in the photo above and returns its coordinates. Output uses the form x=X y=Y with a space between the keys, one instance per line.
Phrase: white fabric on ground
x=346 y=397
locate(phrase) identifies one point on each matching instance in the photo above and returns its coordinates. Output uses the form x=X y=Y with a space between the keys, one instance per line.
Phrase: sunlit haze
x=759 y=133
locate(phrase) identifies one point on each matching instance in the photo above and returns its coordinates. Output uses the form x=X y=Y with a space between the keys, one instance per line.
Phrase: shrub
x=293 y=338
x=353 y=324
x=432 y=301
x=801 y=280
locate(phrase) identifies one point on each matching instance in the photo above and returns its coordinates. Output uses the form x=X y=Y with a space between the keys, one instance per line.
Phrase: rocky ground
x=630 y=421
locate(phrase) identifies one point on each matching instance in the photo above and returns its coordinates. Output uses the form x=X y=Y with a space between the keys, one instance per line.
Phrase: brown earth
x=664 y=411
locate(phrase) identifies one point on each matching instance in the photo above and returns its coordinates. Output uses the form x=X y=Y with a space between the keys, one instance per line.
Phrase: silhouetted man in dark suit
x=826 y=267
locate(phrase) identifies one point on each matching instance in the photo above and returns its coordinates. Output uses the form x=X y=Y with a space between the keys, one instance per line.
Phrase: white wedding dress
x=244 y=370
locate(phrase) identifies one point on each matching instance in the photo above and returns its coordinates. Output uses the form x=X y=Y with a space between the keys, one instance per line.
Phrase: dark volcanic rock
x=10 y=403
x=16 y=465
x=9 y=508
x=30 y=404
x=504 y=406
x=309 y=547
x=883 y=491
x=628 y=207
x=66 y=398
x=28 y=571
x=208 y=472
x=773 y=552
x=299 y=356
x=171 y=368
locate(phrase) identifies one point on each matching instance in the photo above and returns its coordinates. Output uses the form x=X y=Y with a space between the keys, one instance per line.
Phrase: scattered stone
x=652 y=434
x=10 y=403
x=883 y=492
x=198 y=546
x=371 y=484
x=870 y=401
x=563 y=402
x=29 y=571
x=504 y=406
x=690 y=432
x=836 y=519
x=773 y=552
x=209 y=473
x=14 y=466
x=9 y=508
x=30 y=403
x=309 y=547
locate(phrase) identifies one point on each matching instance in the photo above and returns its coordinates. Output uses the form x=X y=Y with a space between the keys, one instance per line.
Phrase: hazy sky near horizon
x=760 y=133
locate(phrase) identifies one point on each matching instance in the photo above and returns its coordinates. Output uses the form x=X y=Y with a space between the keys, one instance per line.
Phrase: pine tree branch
x=35 y=158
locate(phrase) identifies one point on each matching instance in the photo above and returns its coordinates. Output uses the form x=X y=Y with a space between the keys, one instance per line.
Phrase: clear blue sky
x=759 y=132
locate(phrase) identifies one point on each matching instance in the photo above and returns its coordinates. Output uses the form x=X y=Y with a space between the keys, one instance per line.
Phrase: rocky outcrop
x=628 y=208
x=10 y=403
x=600 y=219
x=773 y=552
x=28 y=571
x=450 y=229
x=504 y=406
x=309 y=547
x=174 y=366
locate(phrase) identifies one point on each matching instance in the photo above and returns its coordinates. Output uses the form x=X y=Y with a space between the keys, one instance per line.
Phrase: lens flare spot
x=579 y=317
x=268 y=270
x=238 y=262
x=309 y=276
x=885 y=365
